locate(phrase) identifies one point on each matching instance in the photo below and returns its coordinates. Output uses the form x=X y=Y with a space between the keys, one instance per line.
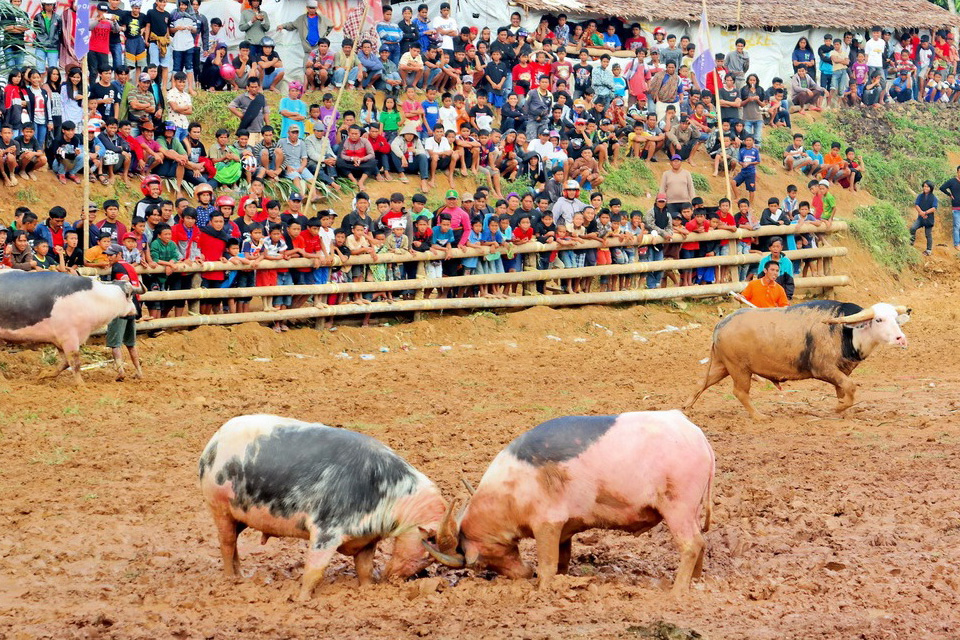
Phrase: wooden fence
x=527 y=277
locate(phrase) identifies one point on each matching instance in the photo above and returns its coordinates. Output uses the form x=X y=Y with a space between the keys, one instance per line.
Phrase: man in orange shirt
x=765 y=292
x=834 y=164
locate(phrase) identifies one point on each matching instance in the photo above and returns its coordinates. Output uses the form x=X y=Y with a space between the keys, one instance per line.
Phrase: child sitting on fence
x=520 y=236
x=381 y=272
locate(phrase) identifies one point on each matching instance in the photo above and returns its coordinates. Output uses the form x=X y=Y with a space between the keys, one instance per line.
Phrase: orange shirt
x=764 y=295
x=831 y=159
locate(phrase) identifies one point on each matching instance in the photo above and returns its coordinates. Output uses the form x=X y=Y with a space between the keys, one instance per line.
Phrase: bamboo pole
x=533 y=247
x=443 y=304
x=468 y=281
x=716 y=91
x=325 y=143
x=85 y=123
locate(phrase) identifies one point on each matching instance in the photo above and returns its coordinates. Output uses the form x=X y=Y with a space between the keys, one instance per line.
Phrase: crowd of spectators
x=553 y=108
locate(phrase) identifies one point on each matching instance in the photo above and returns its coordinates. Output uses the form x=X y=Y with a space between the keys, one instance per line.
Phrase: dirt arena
x=825 y=527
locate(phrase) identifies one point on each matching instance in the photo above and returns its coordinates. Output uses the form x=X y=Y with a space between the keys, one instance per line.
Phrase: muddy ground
x=825 y=527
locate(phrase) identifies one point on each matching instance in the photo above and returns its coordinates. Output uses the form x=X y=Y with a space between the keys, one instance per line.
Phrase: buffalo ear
x=903 y=318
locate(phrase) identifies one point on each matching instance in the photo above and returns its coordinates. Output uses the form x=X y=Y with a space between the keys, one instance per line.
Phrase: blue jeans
x=46 y=59
x=183 y=61
x=654 y=254
x=743 y=249
x=283 y=280
x=14 y=57
x=339 y=74
x=420 y=164
x=117 y=54
x=59 y=166
x=40 y=133
x=755 y=129
x=956 y=227
x=154 y=56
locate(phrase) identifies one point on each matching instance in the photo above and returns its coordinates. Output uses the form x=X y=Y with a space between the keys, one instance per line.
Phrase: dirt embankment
x=825 y=526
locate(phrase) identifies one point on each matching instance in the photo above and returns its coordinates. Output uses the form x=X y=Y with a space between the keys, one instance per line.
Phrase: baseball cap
x=114 y=249
x=605 y=122
x=467 y=197
x=144 y=77
x=169 y=126
x=572 y=184
x=296 y=197
x=661 y=196
x=675 y=157
x=824 y=183
x=451 y=193
x=554 y=133
x=312 y=4
x=129 y=235
x=467 y=79
x=103 y=6
x=93 y=206
x=580 y=121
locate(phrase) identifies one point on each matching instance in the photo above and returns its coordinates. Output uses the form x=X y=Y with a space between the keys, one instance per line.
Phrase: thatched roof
x=764 y=13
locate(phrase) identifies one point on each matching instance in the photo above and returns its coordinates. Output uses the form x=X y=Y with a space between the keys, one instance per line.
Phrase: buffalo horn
x=860 y=316
x=454 y=560
x=902 y=310
x=466 y=483
x=447 y=535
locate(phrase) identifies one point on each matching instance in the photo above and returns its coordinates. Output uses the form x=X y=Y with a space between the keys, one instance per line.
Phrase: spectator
x=252 y=110
x=158 y=40
x=312 y=27
x=738 y=63
x=295 y=157
x=807 y=94
x=677 y=184
x=926 y=207
x=271 y=67
x=255 y=25
x=356 y=159
x=664 y=87
x=410 y=156
x=48 y=30
x=765 y=292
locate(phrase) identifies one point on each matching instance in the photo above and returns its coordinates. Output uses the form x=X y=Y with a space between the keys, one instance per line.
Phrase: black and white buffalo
x=821 y=339
x=59 y=309
x=343 y=491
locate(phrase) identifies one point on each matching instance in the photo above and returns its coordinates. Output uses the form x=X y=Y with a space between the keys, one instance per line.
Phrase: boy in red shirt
x=693 y=224
x=212 y=242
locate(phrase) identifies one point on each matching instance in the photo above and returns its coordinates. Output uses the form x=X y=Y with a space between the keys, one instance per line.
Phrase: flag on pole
x=81 y=43
x=704 y=62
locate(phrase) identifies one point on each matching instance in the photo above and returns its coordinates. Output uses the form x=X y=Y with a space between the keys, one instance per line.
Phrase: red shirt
x=695 y=227
x=309 y=243
x=389 y=217
x=261 y=213
x=520 y=234
x=100 y=37
x=727 y=219
x=380 y=144
x=523 y=74
x=212 y=249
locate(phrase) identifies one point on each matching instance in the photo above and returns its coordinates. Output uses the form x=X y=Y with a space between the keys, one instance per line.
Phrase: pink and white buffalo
x=59 y=309
x=625 y=472
x=343 y=491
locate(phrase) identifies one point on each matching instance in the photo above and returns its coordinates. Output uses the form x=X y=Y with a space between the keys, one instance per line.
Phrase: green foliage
x=775 y=140
x=700 y=183
x=883 y=231
x=210 y=109
x=519 y=186
x=631 y=177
